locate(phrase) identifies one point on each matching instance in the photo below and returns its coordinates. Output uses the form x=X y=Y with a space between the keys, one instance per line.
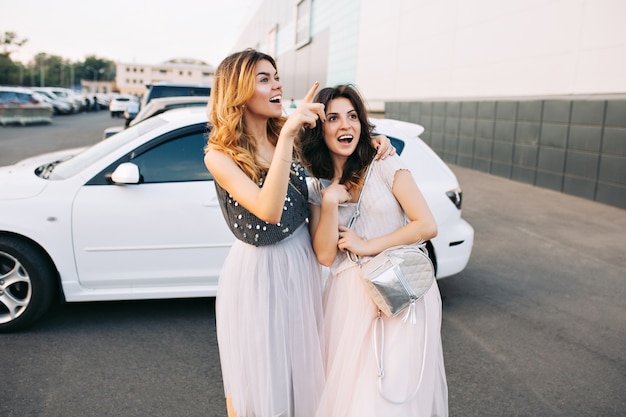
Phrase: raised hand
x=306 y=114
x=335 y=193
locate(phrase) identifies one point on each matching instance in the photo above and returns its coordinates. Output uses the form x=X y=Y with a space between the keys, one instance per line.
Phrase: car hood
x=19 y=180
x=46 y=158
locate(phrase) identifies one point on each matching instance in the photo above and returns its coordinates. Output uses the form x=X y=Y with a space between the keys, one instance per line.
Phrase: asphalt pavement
x=534 y=326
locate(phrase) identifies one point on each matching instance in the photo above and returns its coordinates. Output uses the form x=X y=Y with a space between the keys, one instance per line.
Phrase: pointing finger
x=322 y=112
x=309 y=96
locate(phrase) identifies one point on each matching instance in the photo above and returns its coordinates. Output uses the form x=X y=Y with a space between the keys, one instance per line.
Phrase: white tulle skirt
x=269 y=328
x=351 y=388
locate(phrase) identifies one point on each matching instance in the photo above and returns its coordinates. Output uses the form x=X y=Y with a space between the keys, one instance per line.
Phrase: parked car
x=68 y=105
x=23 y=106
x=162 y=89
x=119 y=104
x=60 y=106
x=158 y=106
x=72 y=96
x=137 y=217
x=15 y=96
x=131 y=112
x=171 y=89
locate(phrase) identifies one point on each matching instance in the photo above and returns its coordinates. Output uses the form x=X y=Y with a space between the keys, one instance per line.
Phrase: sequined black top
x=250 y=229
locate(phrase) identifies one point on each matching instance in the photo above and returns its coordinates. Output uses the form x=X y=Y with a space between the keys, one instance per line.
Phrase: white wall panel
x=424 y=49
x=489 y=48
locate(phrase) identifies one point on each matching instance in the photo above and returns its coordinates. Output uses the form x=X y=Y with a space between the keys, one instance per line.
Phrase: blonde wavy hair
x=233 y=85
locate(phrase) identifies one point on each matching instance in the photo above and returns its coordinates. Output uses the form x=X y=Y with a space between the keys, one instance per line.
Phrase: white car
x=156 y=107
x=136 y=217
x=60 y=94
x=77 y=101
x=23 y=106
x=119 y=104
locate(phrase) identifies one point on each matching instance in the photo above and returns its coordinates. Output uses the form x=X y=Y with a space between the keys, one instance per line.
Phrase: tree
x=8 y=40
x=7 y=70
x=57 y=68
x=94 y=68
x=46 y=69
x=11 y=73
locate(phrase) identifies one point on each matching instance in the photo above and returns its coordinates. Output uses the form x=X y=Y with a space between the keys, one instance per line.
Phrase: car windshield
x=76 y=164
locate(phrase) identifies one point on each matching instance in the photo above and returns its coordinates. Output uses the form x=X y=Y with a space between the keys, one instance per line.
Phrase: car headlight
x=456 y=196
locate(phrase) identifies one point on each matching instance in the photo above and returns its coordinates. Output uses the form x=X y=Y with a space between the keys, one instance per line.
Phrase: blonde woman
x=268 y=307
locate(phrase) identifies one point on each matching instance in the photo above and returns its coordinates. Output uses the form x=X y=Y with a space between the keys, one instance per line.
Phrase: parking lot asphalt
x=66 y=131
x=534 y=326
x=540 y=311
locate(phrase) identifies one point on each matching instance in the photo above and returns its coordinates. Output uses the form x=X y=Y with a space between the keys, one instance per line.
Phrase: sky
x=139 y=31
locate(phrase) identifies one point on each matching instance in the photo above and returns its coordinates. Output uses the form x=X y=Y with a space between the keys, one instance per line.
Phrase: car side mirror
x=126 y=173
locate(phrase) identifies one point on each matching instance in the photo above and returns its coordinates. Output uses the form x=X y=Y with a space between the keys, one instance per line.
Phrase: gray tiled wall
x=576 y=146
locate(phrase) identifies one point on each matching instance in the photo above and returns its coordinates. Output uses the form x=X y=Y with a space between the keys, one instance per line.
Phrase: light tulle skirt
x=351 y=388
x=269 y=328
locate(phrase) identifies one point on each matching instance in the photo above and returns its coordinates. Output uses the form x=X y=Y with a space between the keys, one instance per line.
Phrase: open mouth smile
x=345 y=139
x=276 y=99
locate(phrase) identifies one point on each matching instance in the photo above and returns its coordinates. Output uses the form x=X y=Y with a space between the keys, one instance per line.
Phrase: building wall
x=491 y=48
x=573 y=145
x=93 y=87
x=272 y=29
x=340 y=19
x=132 y=78
x=434 y=49
x=530 y=72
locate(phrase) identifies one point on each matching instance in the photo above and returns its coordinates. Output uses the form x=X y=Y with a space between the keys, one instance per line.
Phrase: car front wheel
x=27 y=284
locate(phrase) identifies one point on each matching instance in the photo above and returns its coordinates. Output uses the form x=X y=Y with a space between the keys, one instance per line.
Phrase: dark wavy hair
x=314 y=152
